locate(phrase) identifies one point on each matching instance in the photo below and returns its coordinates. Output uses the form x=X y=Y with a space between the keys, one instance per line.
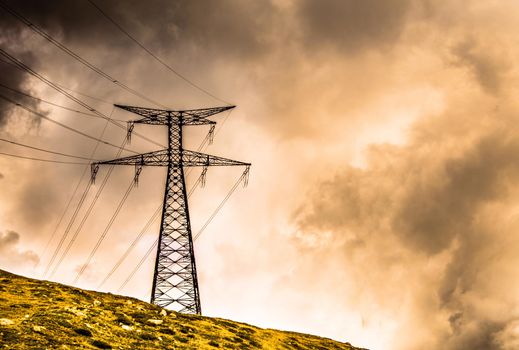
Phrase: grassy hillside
x=44 y=315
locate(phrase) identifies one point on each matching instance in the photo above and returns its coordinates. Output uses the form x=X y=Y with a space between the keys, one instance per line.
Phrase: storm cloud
x=352 y=25
x=440 y=207
x=383 y=140
x=434 y=196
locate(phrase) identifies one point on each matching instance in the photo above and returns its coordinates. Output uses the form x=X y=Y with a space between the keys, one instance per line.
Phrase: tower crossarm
x=194 y=159
x=179 y=158
x=155 y=116
x=174 y=120
x=156 y=158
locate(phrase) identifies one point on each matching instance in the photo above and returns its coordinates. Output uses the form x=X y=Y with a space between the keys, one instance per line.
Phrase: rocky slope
x=44 y=315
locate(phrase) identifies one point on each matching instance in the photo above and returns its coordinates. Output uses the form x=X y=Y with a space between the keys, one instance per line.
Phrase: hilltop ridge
x=38 y=314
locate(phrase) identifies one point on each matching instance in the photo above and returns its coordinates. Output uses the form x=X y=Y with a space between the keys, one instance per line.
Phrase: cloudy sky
x=382 y=207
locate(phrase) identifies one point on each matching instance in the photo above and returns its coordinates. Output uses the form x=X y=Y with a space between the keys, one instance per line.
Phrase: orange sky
x=382 y=205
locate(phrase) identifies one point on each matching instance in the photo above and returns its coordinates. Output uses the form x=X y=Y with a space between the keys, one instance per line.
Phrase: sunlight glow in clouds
x=382 y=205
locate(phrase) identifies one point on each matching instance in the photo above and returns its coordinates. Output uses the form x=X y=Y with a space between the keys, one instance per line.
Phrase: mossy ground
x=45 y=315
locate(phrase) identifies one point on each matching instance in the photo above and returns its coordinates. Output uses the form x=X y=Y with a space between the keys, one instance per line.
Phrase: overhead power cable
x=151 y=220
x=138 y=266
x=73 y=218
x=86 y=95
x=60 y=85
x=56 y=87
x=220 y=126
x=222 y=203
x=107 y=228
x=65 y=234
x=43 y=116
x=74 y=55
x=209 y=137
x=85 y=217
x=158 y=59
x=52 y=103
x=65 y=210
x=44 y=150
x=206 y=142
x=40 y=159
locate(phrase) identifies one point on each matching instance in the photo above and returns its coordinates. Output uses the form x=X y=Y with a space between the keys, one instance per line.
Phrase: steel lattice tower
x=175 y=283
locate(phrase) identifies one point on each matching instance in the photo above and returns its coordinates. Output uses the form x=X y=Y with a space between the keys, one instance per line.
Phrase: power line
x=87 y=213
x=65 y=234
x=137 y=267
x=61 y=217
x=62 y=86
x=207 y=141
x=223 y=122
x=158 y=59
x=151 y=220
x=210 y=136
x=107 y=228
x=83 y=220
x=43 y=116
x=222 y=203
x=85 y=95
x=77 y=209
x=75 y=191
x=73 y=218
x=74 y=55
x=44 y=150
x=56 y=87
x=40 y=159
x=52 y=103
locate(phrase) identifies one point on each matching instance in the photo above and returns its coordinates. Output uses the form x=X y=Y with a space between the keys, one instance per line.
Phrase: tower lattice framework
x=175 y=282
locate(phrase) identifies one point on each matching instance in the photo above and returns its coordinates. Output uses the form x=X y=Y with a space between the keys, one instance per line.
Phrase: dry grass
x=44 y=315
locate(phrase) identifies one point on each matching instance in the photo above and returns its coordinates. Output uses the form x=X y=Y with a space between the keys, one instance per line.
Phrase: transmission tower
x=175 y=283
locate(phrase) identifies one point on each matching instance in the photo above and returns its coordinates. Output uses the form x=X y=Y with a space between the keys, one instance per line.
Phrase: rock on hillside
x=45 y=315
